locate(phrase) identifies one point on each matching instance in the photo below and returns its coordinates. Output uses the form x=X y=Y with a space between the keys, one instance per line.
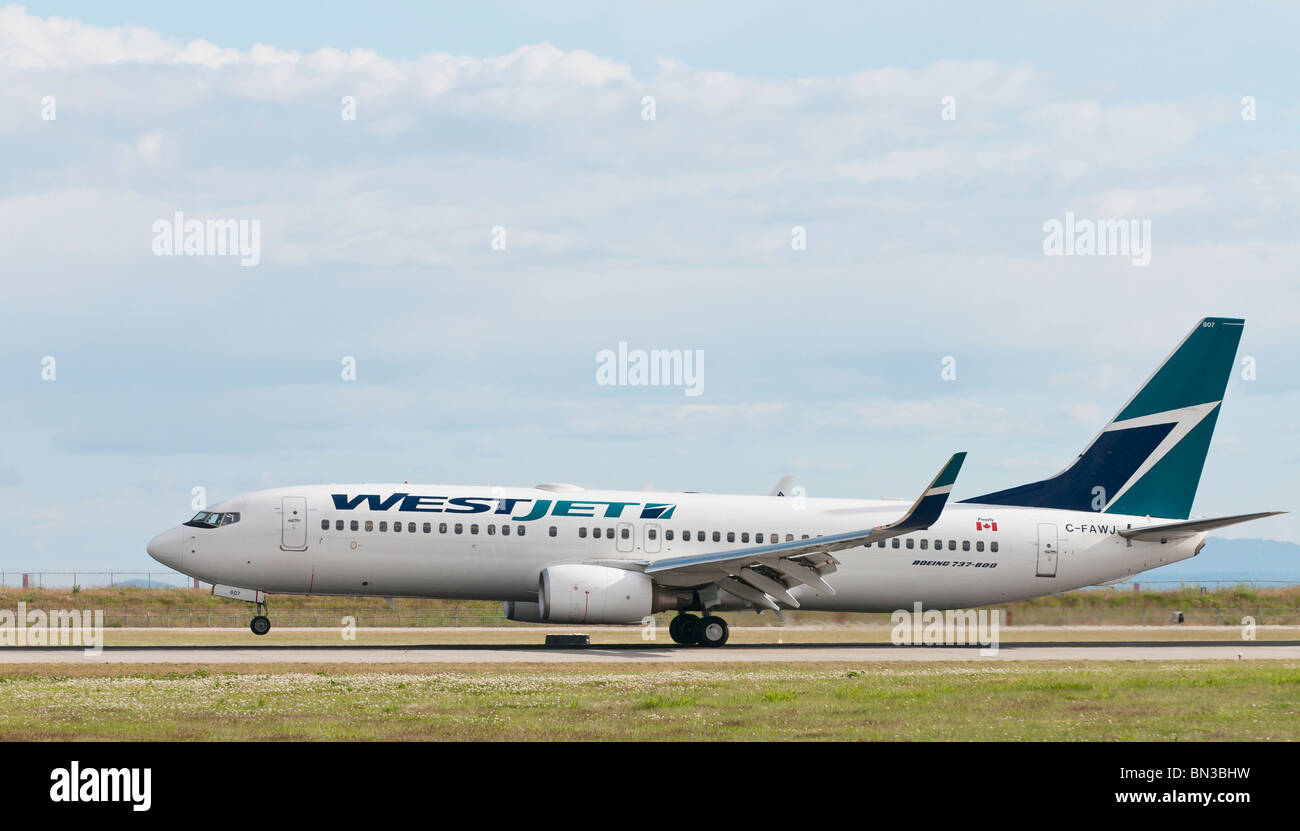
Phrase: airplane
x=563 y=554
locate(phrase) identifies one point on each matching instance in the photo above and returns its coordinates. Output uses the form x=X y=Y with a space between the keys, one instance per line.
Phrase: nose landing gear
x=261 y=624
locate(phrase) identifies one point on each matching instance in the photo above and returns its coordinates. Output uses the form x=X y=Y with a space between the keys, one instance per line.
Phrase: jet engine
x=579 y=593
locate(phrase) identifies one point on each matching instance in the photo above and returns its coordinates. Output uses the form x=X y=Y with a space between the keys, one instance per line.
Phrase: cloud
x=924 y=241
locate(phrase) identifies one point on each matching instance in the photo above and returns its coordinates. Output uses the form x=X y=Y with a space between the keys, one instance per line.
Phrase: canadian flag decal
x=985 y=525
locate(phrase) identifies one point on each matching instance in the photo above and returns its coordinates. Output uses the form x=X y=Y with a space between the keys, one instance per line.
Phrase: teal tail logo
x=1147 y=461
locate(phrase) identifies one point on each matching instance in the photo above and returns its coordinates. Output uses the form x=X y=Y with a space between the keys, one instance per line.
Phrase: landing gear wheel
x=713 y=631
x=260 y=625
x=684 y=628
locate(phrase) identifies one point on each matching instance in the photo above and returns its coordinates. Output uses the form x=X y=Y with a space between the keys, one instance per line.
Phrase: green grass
x=1168 y=701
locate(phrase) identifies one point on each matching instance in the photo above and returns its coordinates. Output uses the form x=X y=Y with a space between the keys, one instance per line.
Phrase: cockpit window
x=211 y=519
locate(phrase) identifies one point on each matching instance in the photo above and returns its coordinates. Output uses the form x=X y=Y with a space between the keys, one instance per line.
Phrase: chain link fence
x=98 y=580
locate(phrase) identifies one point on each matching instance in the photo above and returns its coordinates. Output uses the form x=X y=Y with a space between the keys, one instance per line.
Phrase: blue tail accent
x=1148 y=459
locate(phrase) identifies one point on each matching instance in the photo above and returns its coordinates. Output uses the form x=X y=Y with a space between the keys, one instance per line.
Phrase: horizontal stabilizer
x=1177 y=530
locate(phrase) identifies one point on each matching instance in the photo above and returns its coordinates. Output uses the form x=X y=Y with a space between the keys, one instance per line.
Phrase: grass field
x=1174 y=701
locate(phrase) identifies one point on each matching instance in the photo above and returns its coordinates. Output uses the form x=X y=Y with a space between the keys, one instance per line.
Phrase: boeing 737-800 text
x=564 y=554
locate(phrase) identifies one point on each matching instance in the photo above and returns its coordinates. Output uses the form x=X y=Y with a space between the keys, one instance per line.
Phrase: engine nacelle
x=595 y=594
x=523 y=611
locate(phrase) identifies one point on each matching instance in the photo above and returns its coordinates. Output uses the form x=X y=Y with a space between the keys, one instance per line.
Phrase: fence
x=98 y=580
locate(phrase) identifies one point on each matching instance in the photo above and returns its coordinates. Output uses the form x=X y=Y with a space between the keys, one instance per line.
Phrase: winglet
x=927 y=507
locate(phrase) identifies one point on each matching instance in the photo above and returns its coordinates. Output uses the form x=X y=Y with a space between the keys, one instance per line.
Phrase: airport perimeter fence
x=99 y=580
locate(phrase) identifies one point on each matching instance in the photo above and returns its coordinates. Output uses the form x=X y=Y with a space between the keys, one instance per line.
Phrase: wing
x=1178 y=530
x=763 y=575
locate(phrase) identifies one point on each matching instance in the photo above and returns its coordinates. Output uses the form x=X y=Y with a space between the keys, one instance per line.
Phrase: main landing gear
x=689 y=629
x=261 y=623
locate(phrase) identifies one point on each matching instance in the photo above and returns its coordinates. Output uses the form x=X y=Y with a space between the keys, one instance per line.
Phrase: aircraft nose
x=166 y=548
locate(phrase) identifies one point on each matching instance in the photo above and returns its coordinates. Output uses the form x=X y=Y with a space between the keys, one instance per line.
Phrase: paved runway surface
x=656 y=653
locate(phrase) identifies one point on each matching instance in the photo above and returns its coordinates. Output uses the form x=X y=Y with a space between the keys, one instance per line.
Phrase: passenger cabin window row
x=909 y=542
x=212 y=520
x=519 y=529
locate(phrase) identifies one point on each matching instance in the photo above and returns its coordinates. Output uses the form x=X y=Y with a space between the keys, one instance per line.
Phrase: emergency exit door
x=1048 y=549
x=293 y=523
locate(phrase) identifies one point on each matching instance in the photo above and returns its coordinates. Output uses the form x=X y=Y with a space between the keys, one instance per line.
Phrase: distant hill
x=1241 y=560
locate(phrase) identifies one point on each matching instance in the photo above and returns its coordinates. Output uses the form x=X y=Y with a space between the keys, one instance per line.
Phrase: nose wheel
x=261 y=623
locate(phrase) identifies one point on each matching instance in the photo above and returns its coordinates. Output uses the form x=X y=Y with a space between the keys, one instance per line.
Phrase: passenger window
x=952 y=545
x=909 y=542
x=652 y=534
x=609 y=532
x=324 y=524
x=383 y=526
x=790 y=538
x=410 y=527
x=717 y=536
x=744 y=536
x=758 y=537
x=965 y=545
x=505 y=530
x=979 y=545
x=473 y=528
x=993 y=546
x=520 y=530
x=442 y=527
x=370 y=525
x=460 y=529
x=805 y=536
x=925 y=545
x=686 y=536
x=624 y=533
x=668 y=535
x=397 y=527
x=582 y=532
x=938 y=545
x=338 y=525
x=355 y=525
x=894 y=542
x=880 y=544
x=553 y=531
x=595 y=532
x=428 y=527
x=492 y=530
x=731 y=536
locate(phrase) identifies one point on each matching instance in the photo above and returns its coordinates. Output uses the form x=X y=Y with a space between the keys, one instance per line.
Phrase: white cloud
x=924 y=240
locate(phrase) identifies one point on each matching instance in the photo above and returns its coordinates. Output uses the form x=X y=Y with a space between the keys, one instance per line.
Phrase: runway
x=658 y=653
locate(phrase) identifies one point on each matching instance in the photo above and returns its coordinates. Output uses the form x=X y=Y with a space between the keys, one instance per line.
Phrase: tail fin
x=1148 y=460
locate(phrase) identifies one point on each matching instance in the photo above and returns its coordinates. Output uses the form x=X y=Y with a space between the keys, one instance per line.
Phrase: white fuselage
x=335 y=549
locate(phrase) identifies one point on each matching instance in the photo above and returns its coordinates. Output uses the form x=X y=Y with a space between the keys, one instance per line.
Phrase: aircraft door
x=624 y=542
x=1048 y=549
x=652 y=539
x=293 y=523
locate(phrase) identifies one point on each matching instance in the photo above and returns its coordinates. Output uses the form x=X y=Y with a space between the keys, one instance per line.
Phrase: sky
x=842 y=208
